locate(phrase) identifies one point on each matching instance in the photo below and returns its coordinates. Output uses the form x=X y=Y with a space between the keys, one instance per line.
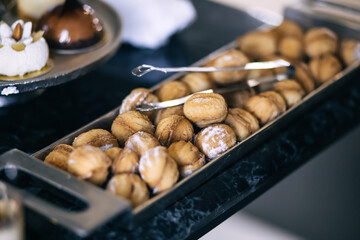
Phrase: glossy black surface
x=63 y=109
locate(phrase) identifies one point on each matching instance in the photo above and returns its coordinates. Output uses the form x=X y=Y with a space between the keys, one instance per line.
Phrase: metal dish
x=186 y=185
x=70 y=66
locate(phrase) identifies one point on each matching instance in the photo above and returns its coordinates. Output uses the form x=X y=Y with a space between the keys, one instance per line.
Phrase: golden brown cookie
x=128 y=123
x=242 y=122
x=266 y=106
x=89 y=163
x=231 y=58
x=291 y=47
x=319 y=41
x=59 y=156
x=347 y=50
x=126 y=162
x=258 y=44
x=215 y=140
x=324 y=67
x=290 y=90
x=174 y=128
x=136 y=97
x=304 y=76
x=288 y=28
x=239 y=98
x=204 y=109
x=172 y=90
x=113 y=152
x=98 y=138
x=158 y=169
x=187 y=156
x=167 y=112
x=129 y=186
x=197 y=81
x=141 y=141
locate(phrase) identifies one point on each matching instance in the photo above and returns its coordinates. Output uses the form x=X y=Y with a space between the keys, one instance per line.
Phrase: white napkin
x=150 y=23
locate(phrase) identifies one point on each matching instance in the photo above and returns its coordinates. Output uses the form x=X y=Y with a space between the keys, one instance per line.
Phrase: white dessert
x=20 y=56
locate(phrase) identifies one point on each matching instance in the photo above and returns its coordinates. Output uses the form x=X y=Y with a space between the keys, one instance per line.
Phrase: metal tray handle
x=82 y=222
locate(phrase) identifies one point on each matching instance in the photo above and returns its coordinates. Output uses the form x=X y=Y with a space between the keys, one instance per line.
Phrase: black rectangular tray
x=64 y=183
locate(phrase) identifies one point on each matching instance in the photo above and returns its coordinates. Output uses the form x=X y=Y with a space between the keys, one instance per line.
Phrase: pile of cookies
x=145 y=153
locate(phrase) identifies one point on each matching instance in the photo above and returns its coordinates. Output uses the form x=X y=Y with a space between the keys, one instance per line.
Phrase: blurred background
x=317 y=201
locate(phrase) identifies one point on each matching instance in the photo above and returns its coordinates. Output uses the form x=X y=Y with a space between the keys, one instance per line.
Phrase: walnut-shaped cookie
x=129 y=186
x=204 y=109
x=113 y=152
x=324 y=67
x=174 y=128
x=238 y=99
x=172 y=90
x=136 y=97
x=291 y=47
x=141 y=141
x=349 y=48
x=100 y=138
x=59 y=156
x=167 y=112
x=290 y=90
x=266 y=106
x=187 y=156
x=197 y=81
x=158 y=169
x=215 y=140
x=128 y=123
x=304 y=76
x=319 y=41
x=242 y=122
x=89 y=163
x=126 y=162
x=258 y=44
x=288 y=28
x=231 y=58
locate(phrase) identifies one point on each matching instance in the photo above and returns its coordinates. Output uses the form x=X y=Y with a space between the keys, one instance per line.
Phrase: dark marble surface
x=62 y=109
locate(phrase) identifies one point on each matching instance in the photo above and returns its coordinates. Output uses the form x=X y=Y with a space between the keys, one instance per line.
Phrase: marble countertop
x=34 y=124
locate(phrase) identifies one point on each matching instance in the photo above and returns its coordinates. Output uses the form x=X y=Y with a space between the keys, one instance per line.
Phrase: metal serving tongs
x=243 y=85
x=144 y=69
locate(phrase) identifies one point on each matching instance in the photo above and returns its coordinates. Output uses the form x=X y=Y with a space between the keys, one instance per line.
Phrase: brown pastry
x=128 y=123
x=319 y=41
x=242 y=122
x=288 y=28
x=304 y=76
x=71 y=26
x=324 y=67
x=167 y=112
x=141 y=141
x=239 y=98
x=89 y=163
x=291 y=47
x=113 y=153
x=172 y=90
x=174 y=128
x=197 y=81
x=266 y=106
x=262 y=73
x=348 y=49
x=136 y=97
x=215 y=140
x=204 y=109
x=290 y=90
x=231 y=58
x=126 y=162
x=258 y=44
x=96 y=137
x=59 y=156
x=158 y=169
x=187 y=156
x=129 y=186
